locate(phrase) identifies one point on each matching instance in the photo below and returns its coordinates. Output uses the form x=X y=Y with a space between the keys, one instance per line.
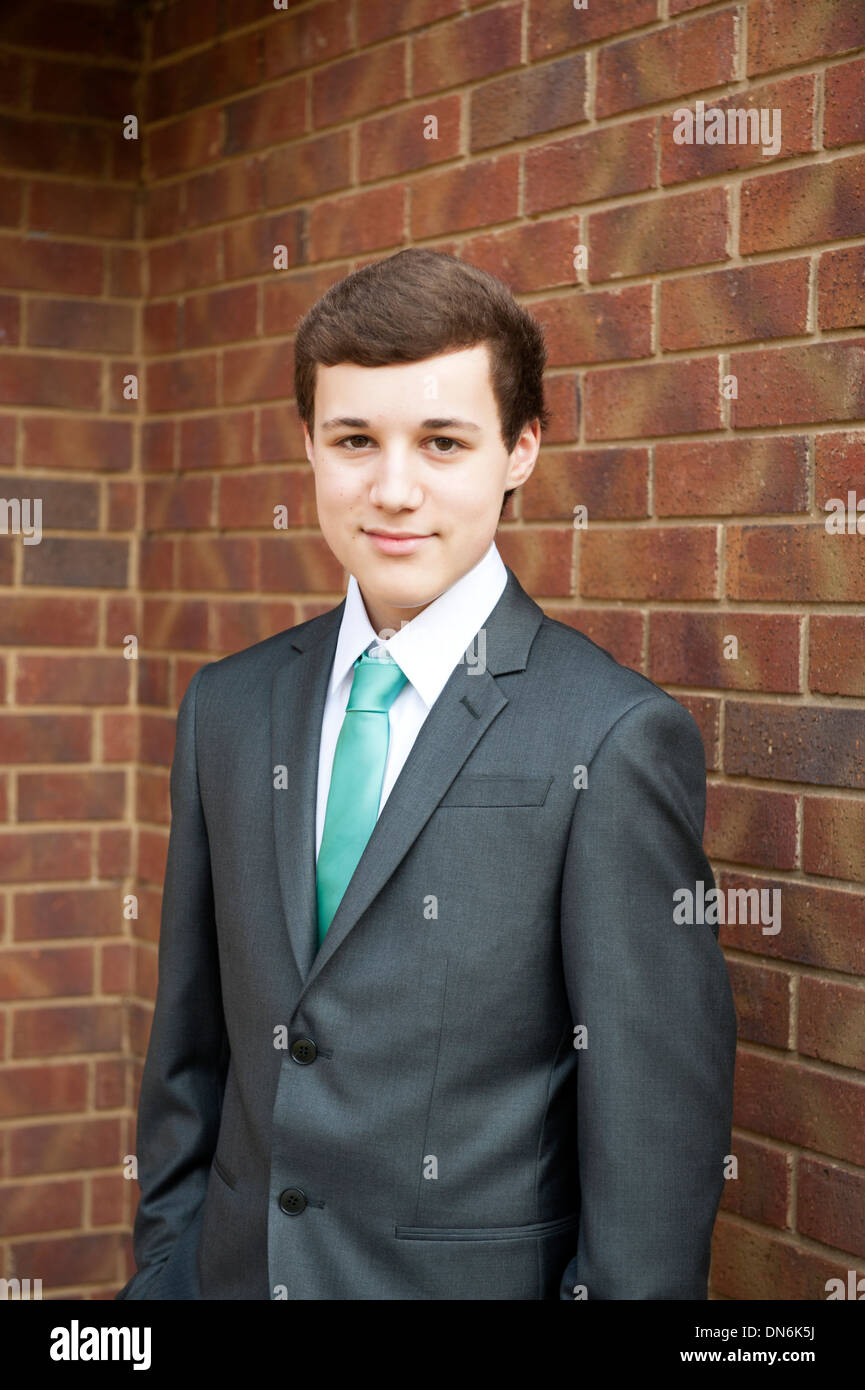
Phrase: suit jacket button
x=292 y=1201
x=304 y=1051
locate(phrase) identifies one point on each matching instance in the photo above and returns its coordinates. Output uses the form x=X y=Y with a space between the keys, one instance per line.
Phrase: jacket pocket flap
x=491 y=790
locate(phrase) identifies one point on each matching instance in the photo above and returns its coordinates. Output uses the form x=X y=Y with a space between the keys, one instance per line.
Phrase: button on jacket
x=507 y=1073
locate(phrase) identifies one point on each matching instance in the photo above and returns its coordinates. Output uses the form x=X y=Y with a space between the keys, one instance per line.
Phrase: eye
x=445 y=439
x=340 y=442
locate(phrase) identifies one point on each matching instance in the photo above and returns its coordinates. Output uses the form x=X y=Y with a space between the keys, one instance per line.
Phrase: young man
x=426 y=1027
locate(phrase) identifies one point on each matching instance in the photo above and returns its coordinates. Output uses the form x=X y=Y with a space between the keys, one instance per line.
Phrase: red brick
x=171 y=623
x=665 y=398
x=79 y=325
x=477 y=46
x=747 y=825
x=794 y=563
x=833 y=837
x=303 y=564
x=837 y=655
x=51 y=1148
x=820 y=745
x=220 y=316
x=608 y=482
x=92 y=795
x=40 y=1090
x=563 y=399
x=735 y=306
x=217 y=441
x=839 y=459
x=42 y=1206
x=193 y=140
x=723 y=477
x=830 y=1204
x=397 y=142
x=819 y=382
x=761 y=1191
x=667 y=63
x=598 y=164
x=239 y=625
x=538 y=255
x=553 y=28
x=63 y=383
x=301 y=40
x=844 y=115
x=379 y=19
x=690 y=229
x=27 y=620
x=110 y=1200
x=73 y=1261
x=619 y=631
x=119 y=737
x=182 y=383
x=220 y=70
x=97 y=563
x=94 y=445
x=464 y=199
x=64 y=912
x=256 y=373
x=181 y=502
x=799 y=207
x=597 y=327
x=780 y=36
x=762 y=1001
x=753 y=1264
x=841 y=288
x=820 y=926
x=217 y=563
x=706 y=712
x=543 y=557
x=801 y=1105
x=56 y=1031
x=689 y=649
x=794 y=98
x=832 y=1022
x=350 y=88
x=48 y=264
x=674 y=563
x=527 y=103
x=32 y=856
x=37 y=972
x=232 y=190
x=188 y=262
x=45 y=738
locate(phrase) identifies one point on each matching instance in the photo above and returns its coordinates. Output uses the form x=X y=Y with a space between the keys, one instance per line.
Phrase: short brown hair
x=417 y=304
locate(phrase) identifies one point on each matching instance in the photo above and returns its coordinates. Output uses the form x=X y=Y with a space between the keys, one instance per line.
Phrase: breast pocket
x=481 y=789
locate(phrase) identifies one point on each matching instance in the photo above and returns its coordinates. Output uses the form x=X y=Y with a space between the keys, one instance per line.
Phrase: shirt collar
x=429 y=647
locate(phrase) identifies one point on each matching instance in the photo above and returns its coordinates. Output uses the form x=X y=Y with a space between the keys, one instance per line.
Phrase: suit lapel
x=297 y=706
x=460 y=717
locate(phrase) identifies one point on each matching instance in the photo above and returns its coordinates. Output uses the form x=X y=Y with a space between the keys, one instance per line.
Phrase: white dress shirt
x=427 y=649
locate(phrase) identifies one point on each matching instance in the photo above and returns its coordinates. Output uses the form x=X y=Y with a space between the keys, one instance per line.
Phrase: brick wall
x=707 y=377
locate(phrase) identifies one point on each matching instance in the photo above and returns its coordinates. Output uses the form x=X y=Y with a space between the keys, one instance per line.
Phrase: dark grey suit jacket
x=404 y=1114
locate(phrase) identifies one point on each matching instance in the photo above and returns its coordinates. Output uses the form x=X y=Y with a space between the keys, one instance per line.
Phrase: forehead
x=460 y=379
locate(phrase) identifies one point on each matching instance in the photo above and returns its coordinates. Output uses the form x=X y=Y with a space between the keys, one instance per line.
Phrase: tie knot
x=376 y=684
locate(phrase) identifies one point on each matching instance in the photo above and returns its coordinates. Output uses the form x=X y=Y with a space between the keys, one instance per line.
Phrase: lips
x=401 y=544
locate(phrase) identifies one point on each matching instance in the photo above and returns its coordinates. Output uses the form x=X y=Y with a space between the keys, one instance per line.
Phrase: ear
x=524 y=455
x=307 y=444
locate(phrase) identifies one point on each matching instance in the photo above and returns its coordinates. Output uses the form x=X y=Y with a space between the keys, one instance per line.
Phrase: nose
x=395 y=485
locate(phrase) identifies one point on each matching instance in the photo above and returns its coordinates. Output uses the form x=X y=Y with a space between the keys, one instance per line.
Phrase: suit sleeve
x=654 y=1089
x=184 y=1073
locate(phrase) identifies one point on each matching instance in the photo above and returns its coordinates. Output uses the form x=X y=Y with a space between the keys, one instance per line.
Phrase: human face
x=414 y=450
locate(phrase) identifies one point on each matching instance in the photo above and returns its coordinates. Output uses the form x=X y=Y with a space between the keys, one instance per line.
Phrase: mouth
x=396 y=542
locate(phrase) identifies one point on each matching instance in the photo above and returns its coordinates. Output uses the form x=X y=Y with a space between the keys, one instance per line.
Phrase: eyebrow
x=432 y=424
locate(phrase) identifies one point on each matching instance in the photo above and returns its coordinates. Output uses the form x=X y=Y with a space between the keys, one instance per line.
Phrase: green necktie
x=356 y=779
